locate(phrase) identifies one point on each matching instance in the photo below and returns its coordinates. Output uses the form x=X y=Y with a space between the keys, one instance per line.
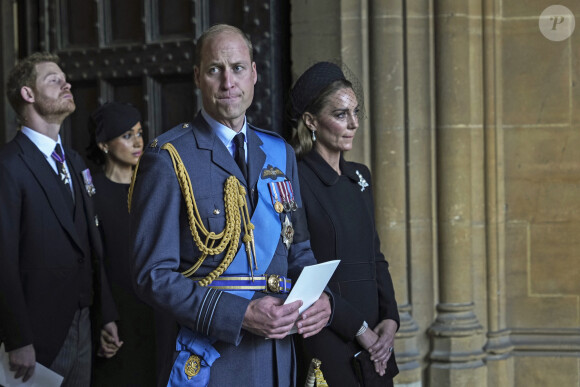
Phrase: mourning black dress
x=134 y=363
x=340 y=216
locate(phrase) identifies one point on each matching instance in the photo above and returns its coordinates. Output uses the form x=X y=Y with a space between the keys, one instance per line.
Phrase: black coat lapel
x=76 y=165
x=36 y=162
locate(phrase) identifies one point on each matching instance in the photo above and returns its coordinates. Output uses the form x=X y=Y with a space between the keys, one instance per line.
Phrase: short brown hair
x=24 y=74
x=215 y=30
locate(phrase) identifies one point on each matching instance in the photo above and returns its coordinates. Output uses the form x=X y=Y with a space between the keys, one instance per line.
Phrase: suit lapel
x=76 y=165
x=36 y=162
x=207 y=139
x=256 y=157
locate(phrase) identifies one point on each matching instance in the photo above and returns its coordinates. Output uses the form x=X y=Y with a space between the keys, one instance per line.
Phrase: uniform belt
x=267 y=283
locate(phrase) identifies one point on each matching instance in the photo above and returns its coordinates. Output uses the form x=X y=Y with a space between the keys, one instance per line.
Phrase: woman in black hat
x=116 y=145
x=357 y=347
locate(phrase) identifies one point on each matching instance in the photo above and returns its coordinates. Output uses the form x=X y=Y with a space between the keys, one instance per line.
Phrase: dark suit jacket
x=164 y=247
x=45 y=273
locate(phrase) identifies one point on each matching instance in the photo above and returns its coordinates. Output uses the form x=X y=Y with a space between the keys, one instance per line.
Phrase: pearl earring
x=314 y=136
x=106 y=151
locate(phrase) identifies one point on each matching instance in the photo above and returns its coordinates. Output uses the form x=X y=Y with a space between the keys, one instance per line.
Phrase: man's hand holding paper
x=316 y=310
x=270 y=317
x=315 y=318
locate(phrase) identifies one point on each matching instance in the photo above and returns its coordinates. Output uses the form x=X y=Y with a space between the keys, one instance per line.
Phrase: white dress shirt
x=46 y=145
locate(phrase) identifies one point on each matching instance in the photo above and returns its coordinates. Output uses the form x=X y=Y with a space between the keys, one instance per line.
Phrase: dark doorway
x=142 y=52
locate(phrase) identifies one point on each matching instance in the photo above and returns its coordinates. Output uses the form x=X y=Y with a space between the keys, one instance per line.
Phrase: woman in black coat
x=338 y=202
x=116 y=145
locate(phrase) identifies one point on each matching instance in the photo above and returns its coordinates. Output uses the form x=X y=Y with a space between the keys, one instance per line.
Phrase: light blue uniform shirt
x=226 y=135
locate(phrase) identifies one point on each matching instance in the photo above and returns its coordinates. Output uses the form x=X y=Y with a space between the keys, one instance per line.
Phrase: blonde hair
x=302 y=139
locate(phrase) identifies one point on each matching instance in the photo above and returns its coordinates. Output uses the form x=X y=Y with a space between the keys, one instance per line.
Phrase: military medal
x=192 y=366
x=62 y=172
x=278 y=207
x=284 y=196
x=362 y=182
x=88 y=179
x=287 y=232
x=293 y=204
x=64 y=176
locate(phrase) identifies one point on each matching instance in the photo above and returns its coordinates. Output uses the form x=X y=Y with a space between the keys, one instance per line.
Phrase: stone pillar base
x=406 y=348
x=472 y=374
x=457 y=342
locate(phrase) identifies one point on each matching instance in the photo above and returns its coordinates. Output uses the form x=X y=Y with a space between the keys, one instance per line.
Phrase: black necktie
x=58 y=156
x=240 y=154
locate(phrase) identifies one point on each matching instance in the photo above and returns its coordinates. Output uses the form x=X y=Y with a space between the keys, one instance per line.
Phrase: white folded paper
x=310 y=285
x=42 y=377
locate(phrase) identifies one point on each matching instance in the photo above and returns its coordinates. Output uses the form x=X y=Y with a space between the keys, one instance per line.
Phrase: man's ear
x=27 y=94
x=196 y=76
x=254 y=72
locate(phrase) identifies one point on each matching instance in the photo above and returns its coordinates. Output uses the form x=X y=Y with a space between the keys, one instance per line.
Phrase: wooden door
x=142 y=52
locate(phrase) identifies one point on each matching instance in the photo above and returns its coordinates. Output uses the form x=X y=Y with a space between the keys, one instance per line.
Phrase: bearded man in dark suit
x=49 y=241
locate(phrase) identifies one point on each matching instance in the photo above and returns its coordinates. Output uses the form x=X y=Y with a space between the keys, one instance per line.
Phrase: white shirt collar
x=225 y=134
x=44 y=143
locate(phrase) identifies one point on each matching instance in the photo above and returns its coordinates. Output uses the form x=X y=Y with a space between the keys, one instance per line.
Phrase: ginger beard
x=62 y=106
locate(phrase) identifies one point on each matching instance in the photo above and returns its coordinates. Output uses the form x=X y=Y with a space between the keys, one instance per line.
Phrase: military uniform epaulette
x=266 y=131
x=170 y=135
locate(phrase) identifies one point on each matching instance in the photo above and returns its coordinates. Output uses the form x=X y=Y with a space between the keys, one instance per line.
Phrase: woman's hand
x=382 y=348
x=110 y=342
x=367 y=339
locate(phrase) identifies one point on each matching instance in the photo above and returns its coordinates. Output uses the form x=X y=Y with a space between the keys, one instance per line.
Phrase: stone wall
x=473 y=137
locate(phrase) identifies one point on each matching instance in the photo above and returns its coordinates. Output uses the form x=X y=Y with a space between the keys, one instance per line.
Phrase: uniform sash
x=265 y=218
x=196 y=349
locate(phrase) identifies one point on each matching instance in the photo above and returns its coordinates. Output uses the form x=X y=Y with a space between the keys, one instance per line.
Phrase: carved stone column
x=457 y=335
x=421 y=177
x=389 y=162
x=499 y=347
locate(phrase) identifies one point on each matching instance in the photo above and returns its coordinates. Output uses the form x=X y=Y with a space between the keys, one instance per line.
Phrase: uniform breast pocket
x=211 y=211
x=217 y=223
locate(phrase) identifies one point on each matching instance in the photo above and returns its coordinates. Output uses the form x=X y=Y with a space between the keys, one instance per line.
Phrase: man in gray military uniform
x=218 y=234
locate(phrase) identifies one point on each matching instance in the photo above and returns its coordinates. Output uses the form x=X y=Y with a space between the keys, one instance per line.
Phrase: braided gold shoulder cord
x=236 y=211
